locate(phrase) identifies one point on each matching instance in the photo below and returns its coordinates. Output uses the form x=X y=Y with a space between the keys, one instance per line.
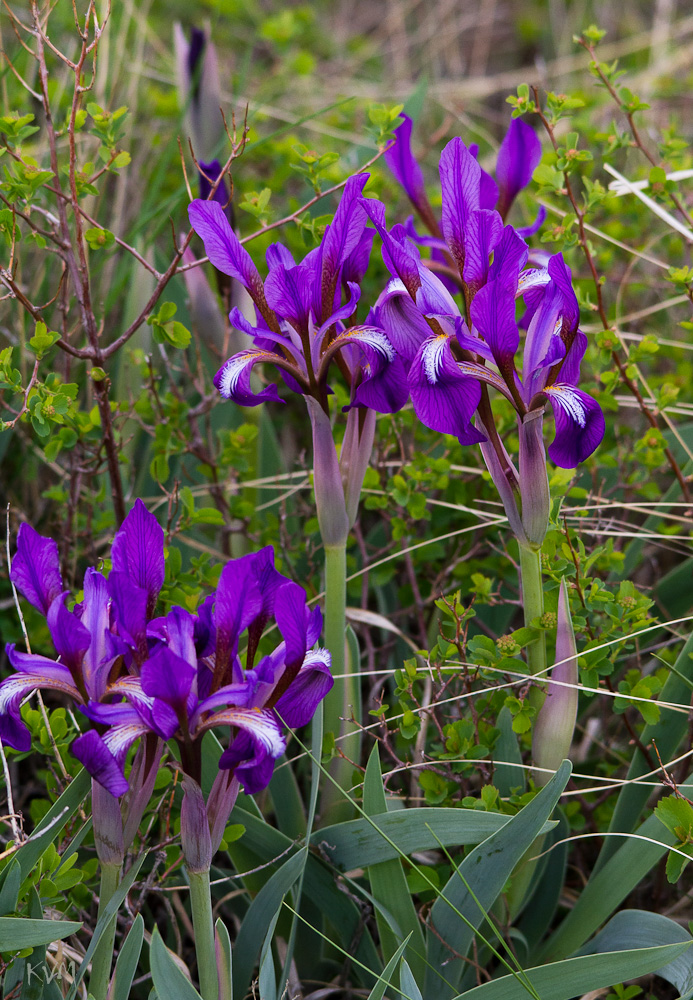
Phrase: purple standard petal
x=180 y=633
x=403 y=165
x=443 y=398
x=518 y=157
x=555 y=724
x=580 y=425
x=570 y=310
x=233 y=379
x=484 y=231
x=356 y=264
x=297 y=706
x=278 y=255
x=509 y=257
x=138 y=553
x=327 y=479
x=493 y=314
x=289 y=292
x=212 y=170
x=36 y=568
x=460 y=177
x=238 y=602
x=341 y=237
x=400 y=257
x=70 y=638
x=168 y=678
x=534 y=480
x=224 y=249
x=570 y=369
x=131 y=605
x=292 y=619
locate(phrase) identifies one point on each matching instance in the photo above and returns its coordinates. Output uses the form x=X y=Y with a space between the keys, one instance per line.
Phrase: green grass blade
x=389 y=885
x=169 y=982
x=576 y=976
x=126 y=963
x=22 y=932
x=378 y=990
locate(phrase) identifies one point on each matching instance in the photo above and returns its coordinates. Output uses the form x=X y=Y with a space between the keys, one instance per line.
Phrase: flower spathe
x=173 y=677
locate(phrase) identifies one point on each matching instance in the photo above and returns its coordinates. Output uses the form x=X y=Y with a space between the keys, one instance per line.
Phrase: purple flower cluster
x=174 y=677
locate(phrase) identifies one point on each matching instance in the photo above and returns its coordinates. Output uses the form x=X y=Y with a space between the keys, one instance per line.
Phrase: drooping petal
x=36 y=672
x=131 y=605
x=36 y=568
x=254 y=750
x=483 y=234
x=138 y=552
x=443 y=398
x=233 y=379
x=403 y=165
x=580 y=425
x=460 y=177
x=224 y=249
x=341 y=237
x=297 y=705
x=384 y=384
x=518 y=156
x=400 y=257
x=493 y=314
x=92 y=752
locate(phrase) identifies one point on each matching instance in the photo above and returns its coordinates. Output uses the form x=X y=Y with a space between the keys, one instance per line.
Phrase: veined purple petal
x=580 y=425
x=169 y=678
x=38 y=672
x=292 y=619
x=36 y=568
x=254 y=750
x=238 y=602
x=518 y=156
x=138 y=552
x=341 y=237
x=42 y=668
x=289 y=293
x=233 y=379
x=562 y=278
x=570 y=369
x=483 y=234
x=297 y=705
x=433 y=296
x=223 y=247
x=277 y=255
x=493 y=314
x=343 y=312
x=533 y=277
x=399 y=257
x=403 y=165
x=460 y=177
x=131 y=605
x=180 y=632
x=70 y=638
x=444 y=399
x=327 y=479
x=533 y=227
x=402 y=321
x=544 y=329
x=230 y=696
x=509 y=257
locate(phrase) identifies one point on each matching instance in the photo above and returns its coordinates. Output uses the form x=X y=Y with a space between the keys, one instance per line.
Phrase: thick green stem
x=203 y=926
x=344 y=696
x=533 y=605
x=103 y=956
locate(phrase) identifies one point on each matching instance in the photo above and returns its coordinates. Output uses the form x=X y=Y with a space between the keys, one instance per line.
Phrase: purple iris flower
x=449 y=358
x=303 y=327
x=469 y=188
x=167 y=678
